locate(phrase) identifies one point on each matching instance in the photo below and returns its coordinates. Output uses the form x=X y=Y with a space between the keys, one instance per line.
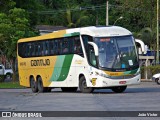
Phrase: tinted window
x=60 y=46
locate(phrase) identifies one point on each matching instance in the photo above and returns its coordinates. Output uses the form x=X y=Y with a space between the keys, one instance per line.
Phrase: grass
x=10 y=85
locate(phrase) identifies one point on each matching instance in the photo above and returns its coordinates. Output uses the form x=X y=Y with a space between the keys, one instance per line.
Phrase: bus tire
x=41 y=88
x=69 y=89
x=119 y=89
x=83 y=86
x=157 y=81
x=33 y=85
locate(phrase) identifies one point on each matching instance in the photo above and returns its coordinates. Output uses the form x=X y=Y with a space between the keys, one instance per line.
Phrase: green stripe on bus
x=130 y=72
x=57 y=68
x=71 y=34
x=133 y=71
x=65 y=68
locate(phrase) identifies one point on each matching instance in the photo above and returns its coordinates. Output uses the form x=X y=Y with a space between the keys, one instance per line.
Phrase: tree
x=137 y=14
x=6 y=5
x=32 y=7
x=20 y=24
x=68 y=13
x=148 y=36
x=76 y=18
x=13 y=26
x=5 y=30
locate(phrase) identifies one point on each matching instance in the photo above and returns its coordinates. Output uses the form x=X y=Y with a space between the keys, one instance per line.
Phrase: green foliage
x=137 y=14
x=2 y=77
x=18 y=17
x=31 y=7
x=76 y=19
x=13 y=26
x=10 y=85
x=147 y=35
x=6 y=5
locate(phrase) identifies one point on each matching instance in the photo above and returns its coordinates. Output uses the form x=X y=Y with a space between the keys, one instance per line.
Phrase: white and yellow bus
x=88 y=58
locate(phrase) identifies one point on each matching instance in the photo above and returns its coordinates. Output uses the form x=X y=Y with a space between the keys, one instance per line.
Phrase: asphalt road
x=143 y=97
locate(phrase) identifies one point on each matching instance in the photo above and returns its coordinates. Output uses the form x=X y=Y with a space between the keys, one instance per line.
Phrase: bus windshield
x=117 y=52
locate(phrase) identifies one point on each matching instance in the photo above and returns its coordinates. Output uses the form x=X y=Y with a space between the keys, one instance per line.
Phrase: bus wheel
x=157 y=81
x=41 y=89
x=119 y=89
x=69 y=89
x=33 y=85
x=83 y=86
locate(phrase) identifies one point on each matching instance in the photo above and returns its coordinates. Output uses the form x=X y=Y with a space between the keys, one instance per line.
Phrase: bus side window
x=37 y=50
x=65 y=46
x=33 y=49
x=56 y=47
x=91 y=56
x=71 y=45
x=21 y=49
x=51 y=47
x=77 y=46
x=86 y=39
x=26 y=50
x=46 y=47
x=41 y=52
x=43 y=48
x=29 y=49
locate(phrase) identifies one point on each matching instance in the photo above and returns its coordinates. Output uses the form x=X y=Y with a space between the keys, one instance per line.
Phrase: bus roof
x=95 y=31
x=101 y=31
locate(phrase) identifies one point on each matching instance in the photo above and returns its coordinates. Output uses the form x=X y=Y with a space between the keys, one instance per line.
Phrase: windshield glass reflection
x=117 y=52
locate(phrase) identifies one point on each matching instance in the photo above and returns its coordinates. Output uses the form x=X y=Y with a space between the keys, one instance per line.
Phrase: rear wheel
x=33 y=85
x=119 y=89
x=69 y=89
x=157 y=81
x=83 y=86
x=41 y=88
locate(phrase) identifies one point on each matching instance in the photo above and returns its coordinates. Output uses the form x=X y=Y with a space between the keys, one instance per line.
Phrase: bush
x=2 y=77
x=151 y=70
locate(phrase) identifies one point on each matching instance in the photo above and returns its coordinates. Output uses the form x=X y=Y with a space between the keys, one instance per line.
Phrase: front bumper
x=107 y=82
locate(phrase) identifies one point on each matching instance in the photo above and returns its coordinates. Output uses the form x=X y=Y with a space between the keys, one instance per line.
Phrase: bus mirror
x=95 y=47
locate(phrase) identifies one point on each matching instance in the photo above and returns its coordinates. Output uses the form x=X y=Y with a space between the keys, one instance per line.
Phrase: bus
x=87 y=58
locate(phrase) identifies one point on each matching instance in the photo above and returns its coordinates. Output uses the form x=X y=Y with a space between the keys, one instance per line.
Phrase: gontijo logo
x=40 y=62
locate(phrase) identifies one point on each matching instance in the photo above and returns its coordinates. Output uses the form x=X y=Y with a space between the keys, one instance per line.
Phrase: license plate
x=122 y=82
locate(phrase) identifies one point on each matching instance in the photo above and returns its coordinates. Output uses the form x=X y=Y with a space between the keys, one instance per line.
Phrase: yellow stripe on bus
x=58 y=34
x=114 y=73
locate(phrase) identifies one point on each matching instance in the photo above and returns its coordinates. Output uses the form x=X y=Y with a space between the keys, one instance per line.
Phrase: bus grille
x=122 y=77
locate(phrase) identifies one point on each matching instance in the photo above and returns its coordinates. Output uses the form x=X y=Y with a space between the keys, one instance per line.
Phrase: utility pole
x=107 y=19
x=157 y=32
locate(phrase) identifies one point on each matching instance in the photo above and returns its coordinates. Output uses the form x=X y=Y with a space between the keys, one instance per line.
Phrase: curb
x=146 y=80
